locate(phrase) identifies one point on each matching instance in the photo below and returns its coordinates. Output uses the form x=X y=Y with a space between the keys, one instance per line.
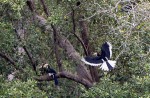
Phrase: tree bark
x=84 y=36
x=58 y=59
x=71 y=52
x=66 y=75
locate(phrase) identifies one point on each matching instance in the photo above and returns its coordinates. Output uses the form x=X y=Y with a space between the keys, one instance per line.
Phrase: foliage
x=16 y=6
x=7 y=38
x=128 y=32
x=135 y=87
x=20 y=89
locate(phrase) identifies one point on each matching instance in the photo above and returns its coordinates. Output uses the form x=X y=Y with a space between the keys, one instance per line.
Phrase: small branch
x=7 y=58
x=73 y=20
x=20 y=37
x=67 y=75
x=33 y=63
x=45 y=7
x=74 y=31
x=29 y=55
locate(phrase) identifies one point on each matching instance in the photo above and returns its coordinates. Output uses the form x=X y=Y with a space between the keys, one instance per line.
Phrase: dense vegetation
x=60 y=32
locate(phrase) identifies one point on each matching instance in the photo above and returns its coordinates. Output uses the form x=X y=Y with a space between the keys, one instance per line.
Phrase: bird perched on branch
x=102 y=59
x=51 y=72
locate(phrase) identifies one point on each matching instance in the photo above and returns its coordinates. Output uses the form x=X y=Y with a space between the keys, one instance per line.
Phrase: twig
x=33 y=63
x=45 y=7
x=7 y=58
x=74 y=31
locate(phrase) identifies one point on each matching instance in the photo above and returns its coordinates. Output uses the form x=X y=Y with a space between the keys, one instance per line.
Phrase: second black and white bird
x=103 y=59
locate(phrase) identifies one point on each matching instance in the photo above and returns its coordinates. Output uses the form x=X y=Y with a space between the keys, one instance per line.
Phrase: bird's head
x=45 y=65
x=106 y=45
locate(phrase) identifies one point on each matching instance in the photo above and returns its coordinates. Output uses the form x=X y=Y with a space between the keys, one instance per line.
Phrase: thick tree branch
x=58 y=59
x=67 y=75
x=29 y=55
x=71 y=52
x=84 y=36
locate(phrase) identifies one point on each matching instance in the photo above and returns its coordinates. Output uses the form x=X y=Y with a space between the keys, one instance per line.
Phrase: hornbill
x=102 y=59
x=51 y=72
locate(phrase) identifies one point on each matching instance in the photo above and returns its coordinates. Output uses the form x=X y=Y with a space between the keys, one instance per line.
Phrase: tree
x=60 y=32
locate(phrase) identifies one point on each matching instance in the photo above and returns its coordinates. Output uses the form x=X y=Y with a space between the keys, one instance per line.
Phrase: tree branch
x=58 y=59
x=84 y=36
x=7 y=58
x=45 y=7
x=67 y=75
x=20 y=35
x=70 y=51
x=33 y=63
x=74 y=31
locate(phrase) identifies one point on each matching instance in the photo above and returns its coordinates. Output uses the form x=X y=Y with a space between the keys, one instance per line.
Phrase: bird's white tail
x=104 y=66
x=112 y=63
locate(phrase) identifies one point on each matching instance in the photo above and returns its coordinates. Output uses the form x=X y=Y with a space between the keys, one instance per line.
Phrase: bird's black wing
x=106 y=50
x=50 y=70
x=93 y=61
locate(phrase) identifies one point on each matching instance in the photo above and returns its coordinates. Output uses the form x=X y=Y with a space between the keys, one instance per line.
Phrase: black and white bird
x=51 y=72
x=103 y=59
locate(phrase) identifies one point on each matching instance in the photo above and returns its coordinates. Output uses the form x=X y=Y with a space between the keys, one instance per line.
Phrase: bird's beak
x=45 y=65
